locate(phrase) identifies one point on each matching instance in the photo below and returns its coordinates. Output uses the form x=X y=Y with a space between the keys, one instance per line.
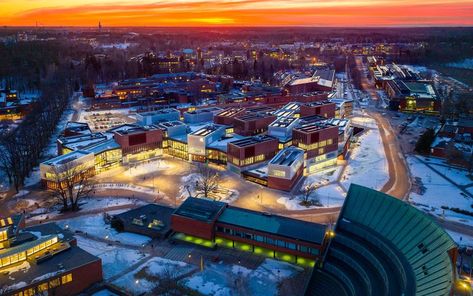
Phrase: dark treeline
x=54 y=78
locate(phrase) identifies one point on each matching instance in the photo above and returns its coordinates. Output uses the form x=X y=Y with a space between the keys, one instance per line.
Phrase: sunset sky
x=237 y=12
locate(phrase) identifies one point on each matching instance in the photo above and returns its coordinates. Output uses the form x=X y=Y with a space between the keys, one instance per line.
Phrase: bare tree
x=307 y=191
x=71 y=184
x=167 y=284
x=207 y=181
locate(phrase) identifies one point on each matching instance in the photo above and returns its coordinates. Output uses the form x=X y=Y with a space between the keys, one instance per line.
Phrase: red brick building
x=319 y=140
x=286 y=168
x=321 y=108
x=252 y=123
x=135 y=139
x=197 y=216
x=245 y=153
x=239 y=228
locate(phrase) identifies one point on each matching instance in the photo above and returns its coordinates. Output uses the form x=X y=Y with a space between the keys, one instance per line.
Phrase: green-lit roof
x=273 y=224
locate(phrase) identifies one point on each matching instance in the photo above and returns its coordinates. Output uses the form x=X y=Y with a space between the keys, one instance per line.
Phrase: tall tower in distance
x=100 y=26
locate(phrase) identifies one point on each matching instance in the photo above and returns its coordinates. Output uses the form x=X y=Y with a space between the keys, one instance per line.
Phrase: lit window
x=279 y=173
x=54 y=283
x=43 y=287
x=66 y=278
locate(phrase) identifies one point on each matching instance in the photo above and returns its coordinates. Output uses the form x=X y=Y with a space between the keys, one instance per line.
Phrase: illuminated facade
x=67 y=167
x=249 y=152
x=56 y=266
x=319 y=140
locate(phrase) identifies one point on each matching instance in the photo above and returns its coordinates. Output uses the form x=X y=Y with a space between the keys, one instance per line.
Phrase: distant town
x=236 y=161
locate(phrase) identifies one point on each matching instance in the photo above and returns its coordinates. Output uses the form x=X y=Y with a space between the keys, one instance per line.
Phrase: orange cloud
x=247 y=13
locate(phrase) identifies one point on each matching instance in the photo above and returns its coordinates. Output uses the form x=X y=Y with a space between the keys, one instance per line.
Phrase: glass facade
x=107 y=160
x=22 y=255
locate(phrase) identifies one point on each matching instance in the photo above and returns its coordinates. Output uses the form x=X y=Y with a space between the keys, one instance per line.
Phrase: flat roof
x=311 y=127
x=79 y=142
x=202 y=209
x=103 y=146
x=132 y=128
x=151 y=212
x=207 y=130
x=253 y=116
x=287 y=156
x=158 y=112
x=60 y=263
x=230 y=112
x=274 y=224
x=311 y=118
x=248 y=141
x=204 y=110
x=66 y=158
x=168 y=124
x=283 y=121
x=319 y=103
x=260 y=109
x=63 y=262
x=222 y=143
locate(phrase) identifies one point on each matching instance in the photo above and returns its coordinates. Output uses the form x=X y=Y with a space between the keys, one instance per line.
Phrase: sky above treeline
x=339 y=13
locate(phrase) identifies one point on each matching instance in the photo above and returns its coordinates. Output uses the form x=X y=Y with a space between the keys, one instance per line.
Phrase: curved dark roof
x=384 y=246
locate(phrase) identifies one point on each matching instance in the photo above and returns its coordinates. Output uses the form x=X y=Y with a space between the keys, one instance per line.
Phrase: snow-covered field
x=88 y=204
x=114 y=259
x=329 y=196
x=95 y=226
x=367 y=165
x=325 y=176
x=223 y=280
x=437 y=191
x=144 y=278
x=364 y=121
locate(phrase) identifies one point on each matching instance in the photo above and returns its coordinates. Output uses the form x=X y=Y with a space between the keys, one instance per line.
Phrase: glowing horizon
x=185 y=13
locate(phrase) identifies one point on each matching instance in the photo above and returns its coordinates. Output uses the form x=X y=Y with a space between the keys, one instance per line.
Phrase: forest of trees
x=42 y=67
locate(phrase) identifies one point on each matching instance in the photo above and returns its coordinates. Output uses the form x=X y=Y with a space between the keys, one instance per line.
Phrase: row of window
x=44 y=287
x=249 y=160
x=177 y=145
x=316 y=145
x=3 y=235
x=268 y=240
x=20 y=256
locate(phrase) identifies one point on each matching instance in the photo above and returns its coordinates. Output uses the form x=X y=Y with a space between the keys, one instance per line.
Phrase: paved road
x=399 y=183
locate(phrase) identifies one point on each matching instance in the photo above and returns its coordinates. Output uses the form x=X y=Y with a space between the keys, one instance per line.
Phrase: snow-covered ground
x=144 y=278
x=95 y=225
x=324 y=176
x=364 y=121
x=436 y=191
x=223 y=280
x=114 y=259
x=367 y=165
x=329 y=196
x=188 y=184
x=147 y=168
x=87 y=204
